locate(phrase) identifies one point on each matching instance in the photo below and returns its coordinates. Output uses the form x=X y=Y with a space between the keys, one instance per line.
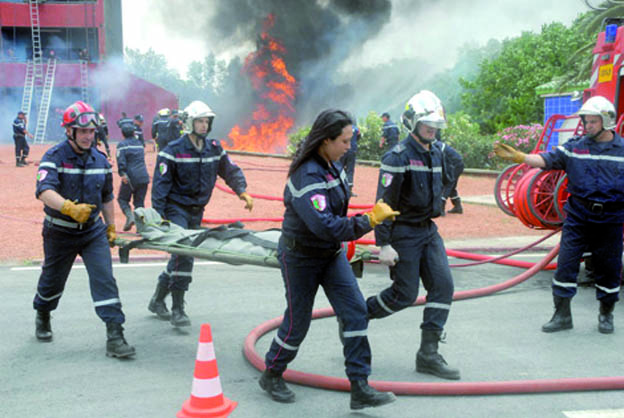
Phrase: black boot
x=273 y=383
x=43 y=330
x=562 y=318
x=116 y=345
x=157 y=302
x=18 y=162
x=443 y=211
x=605 y=318
x=129 y=219
x=457 y=206
x=178 y=316
x=429 y=361
x=23 y=161
x=363 y=396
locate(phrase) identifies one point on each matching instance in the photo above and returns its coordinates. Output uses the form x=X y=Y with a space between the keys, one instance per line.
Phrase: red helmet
x=80 y=114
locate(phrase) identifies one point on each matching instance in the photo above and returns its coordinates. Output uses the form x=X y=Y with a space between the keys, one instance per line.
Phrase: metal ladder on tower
x=84 y=80
x=44 y=107
x=28 y=90
x=37 y=64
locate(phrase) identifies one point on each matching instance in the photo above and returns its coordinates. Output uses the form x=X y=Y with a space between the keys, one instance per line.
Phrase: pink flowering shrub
x=521 y=137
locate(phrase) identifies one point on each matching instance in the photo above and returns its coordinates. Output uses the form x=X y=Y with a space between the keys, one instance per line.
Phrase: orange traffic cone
x=207 y=398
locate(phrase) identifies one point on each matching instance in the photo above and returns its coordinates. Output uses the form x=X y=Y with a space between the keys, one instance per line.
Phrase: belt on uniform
x=419 y=224
x=598 y=207
x=66 y=224
x=306 y=250
x=195 y=209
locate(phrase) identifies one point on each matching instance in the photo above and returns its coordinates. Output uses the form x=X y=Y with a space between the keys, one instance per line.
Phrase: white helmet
x=164 y=112
x=194 y=111
x=599 y=106
x=424 y=107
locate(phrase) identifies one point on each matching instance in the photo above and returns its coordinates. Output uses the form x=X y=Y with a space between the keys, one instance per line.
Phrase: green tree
x=503 y=93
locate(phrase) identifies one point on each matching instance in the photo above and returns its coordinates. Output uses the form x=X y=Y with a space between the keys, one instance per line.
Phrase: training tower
x=53 y=53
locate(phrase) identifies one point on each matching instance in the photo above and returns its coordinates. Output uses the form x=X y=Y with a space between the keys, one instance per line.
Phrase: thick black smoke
x=318 y=36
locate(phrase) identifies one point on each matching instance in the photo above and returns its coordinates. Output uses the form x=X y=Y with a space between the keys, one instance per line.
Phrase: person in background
x=184 y=178
x=138 y=128
x=349 y=157
x=19 y=137
x=75 y=184
x=454 y=167
x=315 y=223
x=594 y=210
x=411 y=180
x=390 y=132
x=159 y=128
x=101 y=134
x=133 y=173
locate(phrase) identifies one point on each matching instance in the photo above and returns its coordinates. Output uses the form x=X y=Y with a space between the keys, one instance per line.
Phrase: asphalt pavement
x=493 y=338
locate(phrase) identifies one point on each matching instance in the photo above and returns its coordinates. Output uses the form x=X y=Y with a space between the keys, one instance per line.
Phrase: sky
x=433 y=29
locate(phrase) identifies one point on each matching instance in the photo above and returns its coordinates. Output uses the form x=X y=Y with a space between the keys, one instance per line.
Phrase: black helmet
x=127 y=130
x=139 y=117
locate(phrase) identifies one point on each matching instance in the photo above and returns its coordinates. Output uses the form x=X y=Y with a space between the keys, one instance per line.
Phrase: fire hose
x=446 y=388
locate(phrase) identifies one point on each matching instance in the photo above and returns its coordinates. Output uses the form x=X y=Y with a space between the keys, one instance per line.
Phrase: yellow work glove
x=248 y=200
x=380 y=212
x=509 y=153
x=77 y=211
x=111 y=234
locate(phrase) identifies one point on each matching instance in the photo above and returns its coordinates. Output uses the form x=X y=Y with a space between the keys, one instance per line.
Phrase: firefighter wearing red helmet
x=75 y=183
x=185 y=175
x=594 y=164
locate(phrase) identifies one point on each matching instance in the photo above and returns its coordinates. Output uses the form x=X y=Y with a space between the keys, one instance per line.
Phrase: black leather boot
x=562 y=318
x=457 y=206
x=129 y=219
x=18 y=162
x=43 y=330
x=178 y=316
x=273 y=383
x=605 y=318
x=429 y=361
x=116 y=345
x=363 y=396
x=157 y=302
x=23 y=161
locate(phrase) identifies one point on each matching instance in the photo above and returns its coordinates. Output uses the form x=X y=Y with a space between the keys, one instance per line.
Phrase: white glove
x=388 y=255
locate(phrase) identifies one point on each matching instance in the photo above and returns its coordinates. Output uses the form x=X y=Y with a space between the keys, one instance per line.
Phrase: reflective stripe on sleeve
x=88 y=171
x=411 y=167
x=191 y=160
x=591 y=156
x=58 y=295
x=359 y=333
x=320 y=185
x=607 y=290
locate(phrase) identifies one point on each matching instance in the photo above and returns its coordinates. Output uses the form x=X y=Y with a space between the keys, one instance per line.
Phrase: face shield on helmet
x=599 y=106
x=81 y=115
x=197 y=110
x=424 y=107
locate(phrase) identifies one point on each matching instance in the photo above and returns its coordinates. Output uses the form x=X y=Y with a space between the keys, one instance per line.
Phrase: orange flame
x=266 y=129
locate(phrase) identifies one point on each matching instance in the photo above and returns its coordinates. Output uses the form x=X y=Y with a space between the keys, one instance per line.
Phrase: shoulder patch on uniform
x=399 y=148
x=319 y=202
x=41 y=175
x=162 y=168
x=386 y=179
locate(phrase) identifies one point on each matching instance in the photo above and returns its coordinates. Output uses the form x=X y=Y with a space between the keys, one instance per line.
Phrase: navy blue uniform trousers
x=604 y=241
x=178 y=274
x=302 y=277
x=137 y=195
x=61 y=248
x=421 y=255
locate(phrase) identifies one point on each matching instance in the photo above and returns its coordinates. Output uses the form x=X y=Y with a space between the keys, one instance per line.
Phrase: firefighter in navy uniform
x=101 y=134
x=390 y=132
x=349 y=158
x=133 y=173
x=594 y=165
x=159 y=128
x=138 y=128
x=411 y=180
x=174 y=126
x=315 y=223
x=19 y=137
x=184 y=177
x=454 y=167
x=75 y=183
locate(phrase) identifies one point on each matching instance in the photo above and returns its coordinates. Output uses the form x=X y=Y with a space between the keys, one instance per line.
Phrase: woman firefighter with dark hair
x=315 y=223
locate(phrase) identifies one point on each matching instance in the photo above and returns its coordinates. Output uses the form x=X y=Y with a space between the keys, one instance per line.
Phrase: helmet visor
x=86 y=120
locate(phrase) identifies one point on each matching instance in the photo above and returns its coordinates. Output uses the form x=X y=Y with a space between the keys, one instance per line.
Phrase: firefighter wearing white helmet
x=184 y=178
x=411 y=182
x=594 y=164
x=195 y=111
x=159 y=128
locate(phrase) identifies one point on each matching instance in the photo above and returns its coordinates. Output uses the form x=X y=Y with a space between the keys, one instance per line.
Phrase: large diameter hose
x=446 y=388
